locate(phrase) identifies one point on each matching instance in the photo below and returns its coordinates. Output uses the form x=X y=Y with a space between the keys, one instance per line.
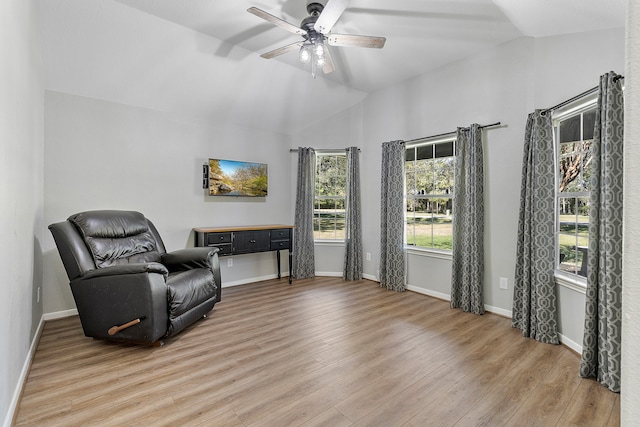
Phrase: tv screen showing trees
x=233 y=178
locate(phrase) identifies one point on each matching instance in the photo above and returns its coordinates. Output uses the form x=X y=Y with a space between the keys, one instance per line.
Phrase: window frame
x=425 y=250
x=326 y=153
x=589 y=102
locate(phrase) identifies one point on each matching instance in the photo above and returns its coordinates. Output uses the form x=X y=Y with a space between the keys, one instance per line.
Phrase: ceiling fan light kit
x=316 y=53
x=305 y=54
x=315 y=30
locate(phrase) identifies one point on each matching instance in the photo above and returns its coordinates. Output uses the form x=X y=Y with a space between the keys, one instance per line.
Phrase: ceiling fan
x=316 y=31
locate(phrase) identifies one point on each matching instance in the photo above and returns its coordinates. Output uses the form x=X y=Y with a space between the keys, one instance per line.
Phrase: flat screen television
x=234 y=178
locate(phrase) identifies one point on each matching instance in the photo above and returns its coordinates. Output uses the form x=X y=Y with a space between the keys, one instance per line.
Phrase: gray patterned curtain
x=602 y=325
x=353 y=227
x=392 y=258
x=467 y=277
x=303 y=246
x=534 y=292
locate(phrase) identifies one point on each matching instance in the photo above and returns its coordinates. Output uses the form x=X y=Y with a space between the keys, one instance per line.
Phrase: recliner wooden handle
x=115 y=329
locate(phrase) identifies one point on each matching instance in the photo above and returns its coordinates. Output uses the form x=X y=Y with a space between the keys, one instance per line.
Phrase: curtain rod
x=295 y=150
x=570 y=100
x=575 y=98
x=449 y=133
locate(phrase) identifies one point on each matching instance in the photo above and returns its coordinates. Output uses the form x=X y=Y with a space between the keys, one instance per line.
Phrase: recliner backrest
x=117 y=237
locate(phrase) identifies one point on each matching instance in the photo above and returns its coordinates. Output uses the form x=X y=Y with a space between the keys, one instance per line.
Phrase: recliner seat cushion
x=117 y=237
x=187 y=289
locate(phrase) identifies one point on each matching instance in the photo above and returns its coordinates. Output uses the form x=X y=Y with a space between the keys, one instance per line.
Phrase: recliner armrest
x=124 y=269
x=112 y=296
x=190 y=258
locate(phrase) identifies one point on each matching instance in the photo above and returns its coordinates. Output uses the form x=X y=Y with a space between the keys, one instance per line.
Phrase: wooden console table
x=248 y=240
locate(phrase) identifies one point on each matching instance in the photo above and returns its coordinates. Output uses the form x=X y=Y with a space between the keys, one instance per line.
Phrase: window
x=429 y=169
x=331 y=188
x=573 y=137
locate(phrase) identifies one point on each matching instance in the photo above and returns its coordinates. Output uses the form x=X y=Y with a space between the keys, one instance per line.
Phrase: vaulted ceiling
x=200 y=58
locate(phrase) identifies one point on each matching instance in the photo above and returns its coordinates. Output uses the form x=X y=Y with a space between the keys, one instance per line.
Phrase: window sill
x=431 y=253
x=571 y=281
x=329 y=242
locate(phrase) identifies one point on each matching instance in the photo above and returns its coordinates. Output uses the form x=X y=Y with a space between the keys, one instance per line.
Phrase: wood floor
x=321 y=352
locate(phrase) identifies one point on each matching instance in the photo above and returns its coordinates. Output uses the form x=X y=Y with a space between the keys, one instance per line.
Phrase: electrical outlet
x=38 y=295
x=368 y=256
x=229 y=262
x=504 y=283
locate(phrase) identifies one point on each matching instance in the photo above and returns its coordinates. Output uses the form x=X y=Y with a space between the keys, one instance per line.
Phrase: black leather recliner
x=125 y=285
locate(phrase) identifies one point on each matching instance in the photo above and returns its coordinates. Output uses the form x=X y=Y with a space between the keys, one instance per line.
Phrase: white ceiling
x=201 y=57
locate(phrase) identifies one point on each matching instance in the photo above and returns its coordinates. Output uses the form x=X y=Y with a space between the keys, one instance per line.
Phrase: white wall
x=101 y=155
x=630 y=410
x=501 y=84
x=20 y=194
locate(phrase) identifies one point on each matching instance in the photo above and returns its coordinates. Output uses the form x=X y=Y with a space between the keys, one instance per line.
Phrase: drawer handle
x=221 y=238
x=252 y=241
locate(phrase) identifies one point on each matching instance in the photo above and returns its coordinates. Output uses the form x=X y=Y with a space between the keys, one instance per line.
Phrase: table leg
x=278 y=257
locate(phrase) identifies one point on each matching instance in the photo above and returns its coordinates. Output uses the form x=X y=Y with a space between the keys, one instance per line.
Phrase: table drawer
x=217 y=238
x=280 y=244
x=281 y=234
x=223 y=249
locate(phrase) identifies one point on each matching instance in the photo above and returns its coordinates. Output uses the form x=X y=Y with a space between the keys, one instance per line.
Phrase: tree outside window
x=574 y=137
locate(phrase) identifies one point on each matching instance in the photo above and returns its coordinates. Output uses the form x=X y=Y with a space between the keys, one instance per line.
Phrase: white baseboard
x=499 y=311
x=253 y=280
x=340 y=274
x=446 y=297
x=60 y=314
x=270 y=277
x=329 y=273
x=23 y=375
x=429 y=293
x=571 y=344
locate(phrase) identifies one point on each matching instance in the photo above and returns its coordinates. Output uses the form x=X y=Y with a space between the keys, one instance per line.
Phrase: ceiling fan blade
x=330 y=15
x=276 y=21
x=329 y=66
x=282 y=50
x=358 y=41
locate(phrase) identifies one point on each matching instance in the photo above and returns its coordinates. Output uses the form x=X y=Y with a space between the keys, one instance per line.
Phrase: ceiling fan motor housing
x=314 y=8
x=322 y=3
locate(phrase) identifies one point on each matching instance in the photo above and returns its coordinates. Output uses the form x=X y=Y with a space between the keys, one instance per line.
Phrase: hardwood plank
x=547 y=402
x=322 y=352
x=525 y=363
x=614 y=418
x=402 y=407
x=332 y=417
x=592 y=404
